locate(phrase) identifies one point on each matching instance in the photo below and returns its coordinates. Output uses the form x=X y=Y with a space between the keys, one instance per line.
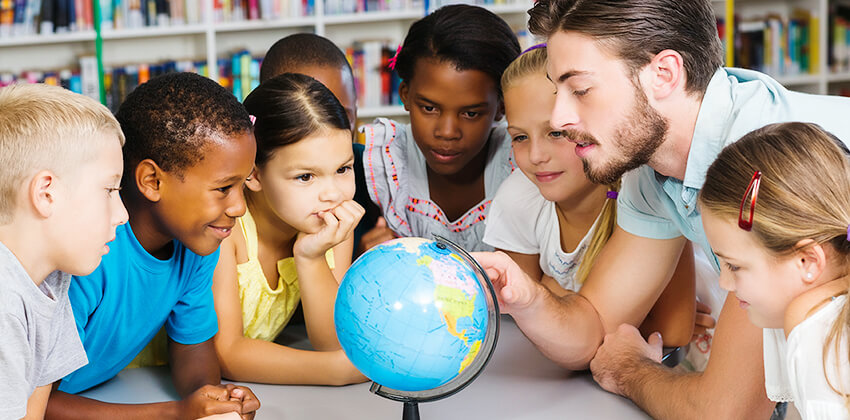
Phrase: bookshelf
x=805 y=33
x=210 y=40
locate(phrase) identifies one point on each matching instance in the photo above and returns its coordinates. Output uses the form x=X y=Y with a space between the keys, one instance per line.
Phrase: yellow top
x=265 y=311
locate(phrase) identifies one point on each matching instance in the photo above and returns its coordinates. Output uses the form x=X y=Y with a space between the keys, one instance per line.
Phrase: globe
x=417 y=316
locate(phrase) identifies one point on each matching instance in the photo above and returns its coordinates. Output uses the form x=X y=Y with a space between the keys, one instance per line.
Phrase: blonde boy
x=60 y=168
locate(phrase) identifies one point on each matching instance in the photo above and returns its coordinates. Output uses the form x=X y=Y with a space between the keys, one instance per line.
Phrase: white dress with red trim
x=397 y=180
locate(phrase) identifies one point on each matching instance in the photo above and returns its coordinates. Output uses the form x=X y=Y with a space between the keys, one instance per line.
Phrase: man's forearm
x=565 y=329
x=667 y=393
x=64 y=406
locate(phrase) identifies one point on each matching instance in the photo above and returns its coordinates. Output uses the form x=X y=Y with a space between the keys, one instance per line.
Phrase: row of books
x=779 y=45
x=29 y=17
x=335 y=7
x=376 y=84
x=436 y=4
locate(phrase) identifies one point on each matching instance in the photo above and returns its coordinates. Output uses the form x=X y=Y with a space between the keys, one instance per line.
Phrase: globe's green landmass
x=411 y=315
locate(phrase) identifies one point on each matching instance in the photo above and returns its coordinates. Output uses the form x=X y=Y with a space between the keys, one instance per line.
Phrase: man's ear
x=667 y=74
x=403 y=91
x=148 y=177
x=810 y=260
x=42 y=193
x=253 y=181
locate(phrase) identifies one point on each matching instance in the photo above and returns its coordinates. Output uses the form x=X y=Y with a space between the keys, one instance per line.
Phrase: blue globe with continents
x=418 y=317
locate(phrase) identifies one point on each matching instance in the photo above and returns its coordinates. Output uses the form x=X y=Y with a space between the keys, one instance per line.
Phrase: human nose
x=119 y=214
x=537 y=152
x=447 y=127
x=563 y=113
x=236 y=206
x=726 y=281
x=331 y=192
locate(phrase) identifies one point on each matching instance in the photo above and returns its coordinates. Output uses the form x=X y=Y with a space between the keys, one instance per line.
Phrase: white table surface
x=518 y=383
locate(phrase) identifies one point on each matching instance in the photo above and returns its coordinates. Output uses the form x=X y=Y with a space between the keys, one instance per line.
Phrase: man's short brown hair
x=637 y=30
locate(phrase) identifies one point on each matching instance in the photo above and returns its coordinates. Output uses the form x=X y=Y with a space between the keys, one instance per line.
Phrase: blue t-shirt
x=121 y=305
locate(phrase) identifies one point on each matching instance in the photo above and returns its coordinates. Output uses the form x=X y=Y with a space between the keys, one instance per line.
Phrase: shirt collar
x=712 y=124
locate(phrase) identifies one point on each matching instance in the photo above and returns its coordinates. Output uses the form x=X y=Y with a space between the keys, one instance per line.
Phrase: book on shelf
x=779 y=45
x=839 y=38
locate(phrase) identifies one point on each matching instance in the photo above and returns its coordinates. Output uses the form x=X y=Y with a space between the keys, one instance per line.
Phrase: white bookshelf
x=823 y=81
x=212 y=40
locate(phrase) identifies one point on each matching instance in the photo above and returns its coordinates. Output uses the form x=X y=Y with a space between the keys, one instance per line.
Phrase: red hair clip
x=753 y=189
x=392 y=61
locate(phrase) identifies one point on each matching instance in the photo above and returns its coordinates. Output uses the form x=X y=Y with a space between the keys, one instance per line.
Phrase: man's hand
x=619 y=352
x=514 y=289
x=339 y=225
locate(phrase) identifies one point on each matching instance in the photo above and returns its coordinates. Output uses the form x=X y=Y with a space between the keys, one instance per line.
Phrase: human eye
x=345 y=169
x=110 y=190
x=519 y=138
x=224 y=189
x=732 y=268
x=471 y=114
x=428 y=109
x=304 y=177
x=580 y=93
x=556 y=134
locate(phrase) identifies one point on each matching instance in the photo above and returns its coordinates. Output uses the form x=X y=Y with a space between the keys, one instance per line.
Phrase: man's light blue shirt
x=736 y=102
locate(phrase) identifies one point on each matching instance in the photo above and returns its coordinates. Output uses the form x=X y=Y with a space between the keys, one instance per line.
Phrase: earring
x=809 y=276
x=248 y=179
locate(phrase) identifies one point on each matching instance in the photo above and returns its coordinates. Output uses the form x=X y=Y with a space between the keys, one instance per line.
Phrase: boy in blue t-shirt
x=60 y=166
x=189 y=149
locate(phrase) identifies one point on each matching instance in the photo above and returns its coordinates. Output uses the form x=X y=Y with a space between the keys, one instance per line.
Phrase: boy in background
x=60 y=169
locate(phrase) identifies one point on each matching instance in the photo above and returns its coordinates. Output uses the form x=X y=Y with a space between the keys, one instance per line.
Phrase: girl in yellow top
x=295 y=241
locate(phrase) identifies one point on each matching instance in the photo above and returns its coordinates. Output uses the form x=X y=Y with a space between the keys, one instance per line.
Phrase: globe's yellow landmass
x=473 y=351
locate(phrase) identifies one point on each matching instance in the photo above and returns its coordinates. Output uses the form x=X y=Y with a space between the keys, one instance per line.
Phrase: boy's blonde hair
x=804 y=193
x=45 y=127
x=533 y=63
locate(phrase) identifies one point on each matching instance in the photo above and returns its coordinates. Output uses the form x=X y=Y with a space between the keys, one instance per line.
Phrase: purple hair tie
x=848 y=232
x=613 y=195
x=534 y=47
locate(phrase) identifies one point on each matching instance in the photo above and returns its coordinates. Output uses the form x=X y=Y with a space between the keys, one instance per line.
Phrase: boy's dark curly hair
x=302 y=49
x=470 y=37
x=172 y=117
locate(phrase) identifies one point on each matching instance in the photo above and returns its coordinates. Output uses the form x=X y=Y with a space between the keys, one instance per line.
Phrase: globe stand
x=411 y=411
x=411 y=399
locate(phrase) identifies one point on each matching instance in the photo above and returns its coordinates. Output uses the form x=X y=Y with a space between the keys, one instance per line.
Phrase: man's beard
x=636 y=140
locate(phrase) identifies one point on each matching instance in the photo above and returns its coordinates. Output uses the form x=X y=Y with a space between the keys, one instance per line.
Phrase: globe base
x=410 y=411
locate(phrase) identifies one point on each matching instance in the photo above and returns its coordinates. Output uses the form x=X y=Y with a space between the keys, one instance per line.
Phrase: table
x=518 y=383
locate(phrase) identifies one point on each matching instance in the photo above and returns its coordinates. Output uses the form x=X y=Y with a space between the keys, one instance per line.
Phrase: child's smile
x=199 y=209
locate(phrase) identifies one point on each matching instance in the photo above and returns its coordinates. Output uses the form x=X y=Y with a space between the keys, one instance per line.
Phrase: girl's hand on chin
x=339 y=226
